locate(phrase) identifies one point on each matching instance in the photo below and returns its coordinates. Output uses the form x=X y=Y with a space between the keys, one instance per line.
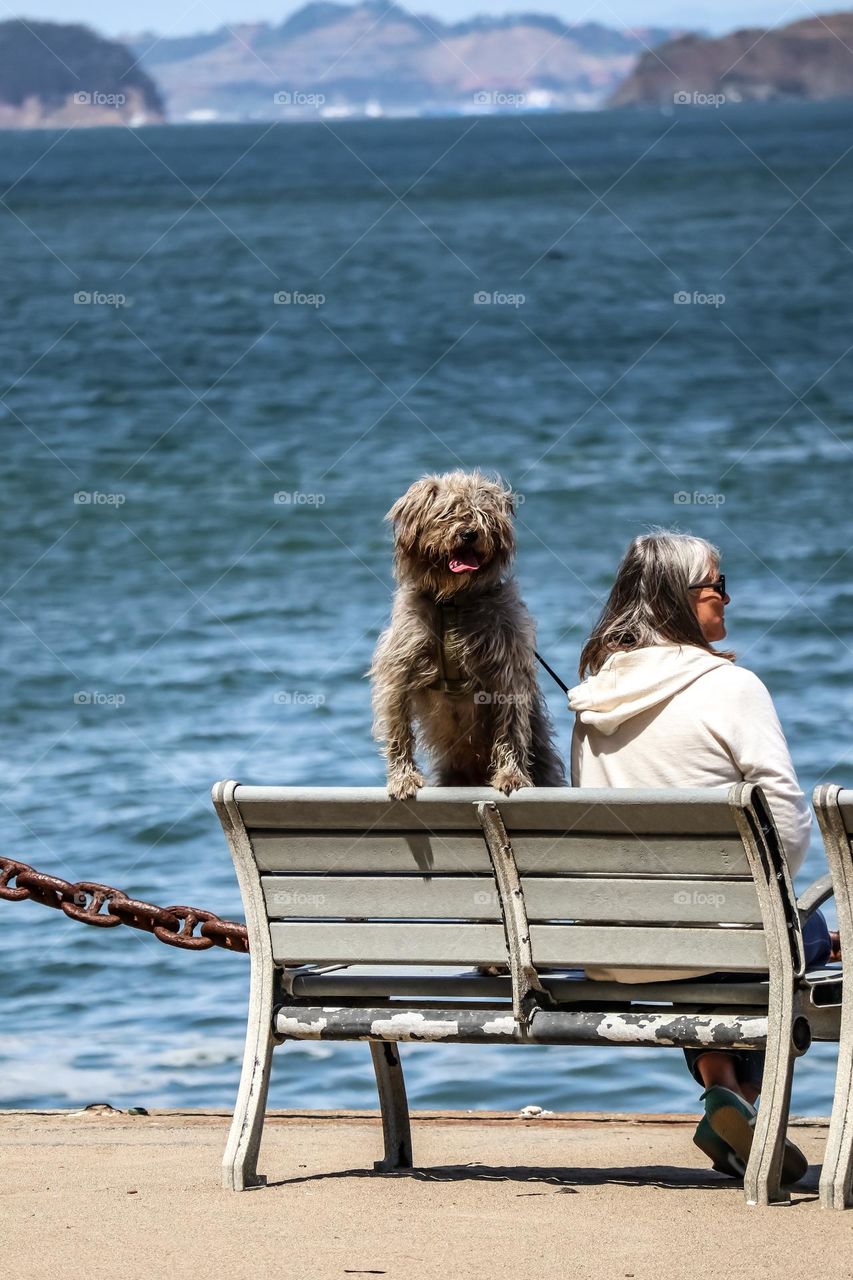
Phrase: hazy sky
x=178 y=17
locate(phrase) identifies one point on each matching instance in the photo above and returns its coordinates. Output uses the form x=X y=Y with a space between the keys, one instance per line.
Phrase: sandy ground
x=105 y=1194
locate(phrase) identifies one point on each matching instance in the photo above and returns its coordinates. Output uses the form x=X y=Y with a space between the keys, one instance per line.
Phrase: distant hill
x=370 y=58
x=52 y=74
x=812 y=59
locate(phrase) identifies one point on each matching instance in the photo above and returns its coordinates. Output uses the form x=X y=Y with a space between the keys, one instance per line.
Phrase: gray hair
x=649 y=602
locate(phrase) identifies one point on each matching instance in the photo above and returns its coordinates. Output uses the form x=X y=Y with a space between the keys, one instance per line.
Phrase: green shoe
x=732 y=1119
x=722 y=1157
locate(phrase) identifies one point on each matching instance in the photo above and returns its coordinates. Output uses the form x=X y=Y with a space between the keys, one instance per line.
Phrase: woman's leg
x=740 y=1070
x=716 y=1067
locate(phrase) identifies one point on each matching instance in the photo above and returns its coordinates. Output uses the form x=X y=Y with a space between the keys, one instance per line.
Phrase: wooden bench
x=399 y=898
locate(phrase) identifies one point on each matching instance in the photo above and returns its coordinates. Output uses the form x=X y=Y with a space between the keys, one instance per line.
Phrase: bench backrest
x=610 y=877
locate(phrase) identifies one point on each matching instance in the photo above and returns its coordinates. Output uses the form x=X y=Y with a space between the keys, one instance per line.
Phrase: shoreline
x=370 y=1115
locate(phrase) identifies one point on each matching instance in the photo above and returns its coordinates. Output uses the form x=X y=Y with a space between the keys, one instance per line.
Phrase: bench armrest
x=815 y=896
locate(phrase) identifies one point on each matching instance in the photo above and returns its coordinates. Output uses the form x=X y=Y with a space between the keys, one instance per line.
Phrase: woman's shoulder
x=735 y=680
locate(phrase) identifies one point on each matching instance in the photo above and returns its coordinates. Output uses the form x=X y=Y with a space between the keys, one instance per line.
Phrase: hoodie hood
x=632 y=682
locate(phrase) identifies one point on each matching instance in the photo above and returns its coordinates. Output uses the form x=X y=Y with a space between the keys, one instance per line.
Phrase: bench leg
x=240 y=1162
x=394 y=1105
x=762 y=1180
x=837 y=1172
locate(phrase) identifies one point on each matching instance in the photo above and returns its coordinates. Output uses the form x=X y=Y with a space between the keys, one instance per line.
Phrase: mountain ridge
x=810 y=59
x=370 y=54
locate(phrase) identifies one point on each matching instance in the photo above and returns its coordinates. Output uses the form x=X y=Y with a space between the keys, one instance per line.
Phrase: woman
x=661 y=707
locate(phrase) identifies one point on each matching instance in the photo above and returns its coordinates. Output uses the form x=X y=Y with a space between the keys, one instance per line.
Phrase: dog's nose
x=470 y=535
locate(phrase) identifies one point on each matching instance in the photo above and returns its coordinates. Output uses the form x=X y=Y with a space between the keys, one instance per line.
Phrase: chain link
x=105 y=908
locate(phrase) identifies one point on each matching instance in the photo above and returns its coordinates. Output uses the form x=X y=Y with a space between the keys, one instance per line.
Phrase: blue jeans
x=749 y=1063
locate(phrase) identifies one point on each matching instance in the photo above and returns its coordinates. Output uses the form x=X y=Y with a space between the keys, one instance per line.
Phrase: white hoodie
x=679 y=716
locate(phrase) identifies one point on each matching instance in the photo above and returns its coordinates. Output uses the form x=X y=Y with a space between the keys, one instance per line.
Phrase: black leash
x=551 y=672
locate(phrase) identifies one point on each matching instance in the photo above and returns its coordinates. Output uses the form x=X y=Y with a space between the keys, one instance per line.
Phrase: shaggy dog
x=458 y=656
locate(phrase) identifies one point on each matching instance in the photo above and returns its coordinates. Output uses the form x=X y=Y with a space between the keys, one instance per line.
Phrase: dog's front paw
x=403 y=784
x=509 y=780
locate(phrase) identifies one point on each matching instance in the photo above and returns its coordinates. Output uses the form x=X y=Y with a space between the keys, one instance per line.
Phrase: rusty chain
x=83 y=901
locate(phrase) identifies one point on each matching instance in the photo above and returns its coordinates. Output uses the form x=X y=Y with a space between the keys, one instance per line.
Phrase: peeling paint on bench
x=413 y=1026
x=639 y=1029
x=503 y=1026
x=296 y=1027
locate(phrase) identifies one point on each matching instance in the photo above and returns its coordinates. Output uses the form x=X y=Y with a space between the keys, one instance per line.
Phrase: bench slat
x=638 y=812
x=476 y=898
x=455 y=852
x=730 y=950
x=360 y=982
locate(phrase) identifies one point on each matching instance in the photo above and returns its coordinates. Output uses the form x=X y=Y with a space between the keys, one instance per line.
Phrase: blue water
x=150 y=633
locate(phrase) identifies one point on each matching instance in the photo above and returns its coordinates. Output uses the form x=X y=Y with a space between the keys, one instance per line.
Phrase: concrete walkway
x=104 y=1194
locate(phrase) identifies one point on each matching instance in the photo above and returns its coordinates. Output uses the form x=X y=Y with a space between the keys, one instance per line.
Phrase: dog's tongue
x=464 y=562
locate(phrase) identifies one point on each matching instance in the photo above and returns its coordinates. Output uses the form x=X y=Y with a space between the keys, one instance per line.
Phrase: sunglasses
x=719 y=586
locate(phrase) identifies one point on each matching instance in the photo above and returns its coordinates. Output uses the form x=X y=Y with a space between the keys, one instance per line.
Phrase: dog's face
x=453 y=533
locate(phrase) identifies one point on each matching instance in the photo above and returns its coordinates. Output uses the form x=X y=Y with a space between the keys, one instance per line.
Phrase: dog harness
x=450 y=677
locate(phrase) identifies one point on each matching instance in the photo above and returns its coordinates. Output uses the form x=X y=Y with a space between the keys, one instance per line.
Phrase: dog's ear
x=511 y=500
x=407 y=513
